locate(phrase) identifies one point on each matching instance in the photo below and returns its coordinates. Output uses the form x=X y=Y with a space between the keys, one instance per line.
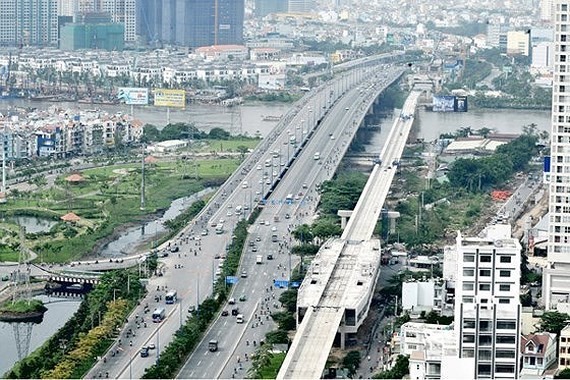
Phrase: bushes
x=85 y=336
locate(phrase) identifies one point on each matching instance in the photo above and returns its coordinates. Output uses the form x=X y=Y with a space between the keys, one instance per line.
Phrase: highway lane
x=330 y=141
x=191 y=270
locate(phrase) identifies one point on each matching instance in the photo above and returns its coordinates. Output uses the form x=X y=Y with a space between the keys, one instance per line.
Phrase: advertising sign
x=461 y=104
x=133 y=95
x=443 y=103
x=169 y=98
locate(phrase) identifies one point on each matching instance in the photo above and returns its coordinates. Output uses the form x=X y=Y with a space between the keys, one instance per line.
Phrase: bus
x=158 y=315
x=170 y=297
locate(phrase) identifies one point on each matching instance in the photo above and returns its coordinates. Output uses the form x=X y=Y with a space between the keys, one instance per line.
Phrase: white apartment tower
x=487 y=307
x=556 y=278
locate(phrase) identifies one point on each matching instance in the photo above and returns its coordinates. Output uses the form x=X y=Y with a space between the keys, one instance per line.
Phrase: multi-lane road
x=192 y=269
x=329 y=142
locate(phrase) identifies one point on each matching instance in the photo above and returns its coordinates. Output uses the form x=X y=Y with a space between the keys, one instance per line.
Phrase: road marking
x=199 y=362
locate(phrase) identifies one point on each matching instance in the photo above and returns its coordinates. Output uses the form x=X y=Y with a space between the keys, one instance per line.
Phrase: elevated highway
x=336 y=293
x=330 y=138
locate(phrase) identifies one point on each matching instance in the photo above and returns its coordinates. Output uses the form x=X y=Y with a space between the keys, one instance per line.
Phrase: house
x=538 y=353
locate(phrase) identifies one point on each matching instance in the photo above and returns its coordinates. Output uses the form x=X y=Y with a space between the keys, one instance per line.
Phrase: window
x=467 y=299
x=505 y=339
x=468 y=272
x=505 y=259
x=505 y=368
x=468 y=338
x=485 y=259
x=506 y=325
x=484 y=286
x=505 y=273
x=504 y=301
x=468 y=286
x=468 y=324
x=469 y=258
x=485 y=340
x=484 y=369
x=508 y=354
x=468 y=353
x=484 y=272
x=505 y=288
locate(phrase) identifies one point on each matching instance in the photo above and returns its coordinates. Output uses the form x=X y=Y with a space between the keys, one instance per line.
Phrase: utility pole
x=142 y=179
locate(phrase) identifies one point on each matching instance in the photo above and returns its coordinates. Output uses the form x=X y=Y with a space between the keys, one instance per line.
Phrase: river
x=55 y=317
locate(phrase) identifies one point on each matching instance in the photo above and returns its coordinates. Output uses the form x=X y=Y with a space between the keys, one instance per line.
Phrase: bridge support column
x=344 y=215
x=342 y=339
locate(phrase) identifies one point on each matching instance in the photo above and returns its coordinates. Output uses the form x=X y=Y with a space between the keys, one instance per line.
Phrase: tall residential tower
x=556 y=278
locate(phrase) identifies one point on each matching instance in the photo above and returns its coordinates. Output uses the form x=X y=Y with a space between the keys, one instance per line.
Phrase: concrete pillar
x=342 y=338
x=344 y=215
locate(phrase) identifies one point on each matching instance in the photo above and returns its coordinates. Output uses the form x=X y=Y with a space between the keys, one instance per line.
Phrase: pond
x=130 y=240
x=33 y=224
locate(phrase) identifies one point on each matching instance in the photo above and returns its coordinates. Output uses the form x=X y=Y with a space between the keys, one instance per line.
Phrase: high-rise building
x=191 y=23
x=28 y=22
x=265 y=7
x=301 y=6
x=121 y=11
x=556 y=277
x=546 y=10
x=487 y=307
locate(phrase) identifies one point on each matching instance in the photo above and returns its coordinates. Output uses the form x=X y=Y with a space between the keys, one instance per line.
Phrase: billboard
x=449 y=103
x=461 y=104
x=133 y=95
x=443 y=103
x=169 y=98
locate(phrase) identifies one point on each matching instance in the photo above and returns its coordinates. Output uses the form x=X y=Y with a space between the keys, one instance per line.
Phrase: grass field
x=108 y=198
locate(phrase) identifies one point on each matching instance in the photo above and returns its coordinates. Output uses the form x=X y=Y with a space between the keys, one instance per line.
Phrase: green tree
x=303 y=233
x=400 y=369
x=289 y=300
x=351 y=362
x=564 y=374
x=553 y=321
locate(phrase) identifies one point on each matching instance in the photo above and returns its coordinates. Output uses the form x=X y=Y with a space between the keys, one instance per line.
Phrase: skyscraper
x=265 y=7
x=556 y=277
x=28 y=22
x=121 y=11
x=191 y=23
x=487 y=307
x=301 y=6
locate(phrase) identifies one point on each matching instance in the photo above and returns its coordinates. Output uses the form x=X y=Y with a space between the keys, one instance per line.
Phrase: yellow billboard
x=169 y=98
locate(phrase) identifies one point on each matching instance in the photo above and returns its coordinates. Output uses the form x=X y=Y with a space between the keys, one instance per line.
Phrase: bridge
x=335 y=296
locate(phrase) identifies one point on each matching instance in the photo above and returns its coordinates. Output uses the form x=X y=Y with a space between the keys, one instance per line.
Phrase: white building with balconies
x=487 y=307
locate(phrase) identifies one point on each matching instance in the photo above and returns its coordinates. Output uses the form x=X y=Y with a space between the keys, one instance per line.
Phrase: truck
x=259 y=259
x=213 y=345
x=239 y=318
x=317 y=156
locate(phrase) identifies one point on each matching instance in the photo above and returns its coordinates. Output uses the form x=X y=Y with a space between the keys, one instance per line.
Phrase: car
x=192 y=309
x=232 y=301
x=254 y=249
x=332 y=137
x=213 y=224
x=347 y=108
x=267 y=222
x=258 y=167
x=204 y=232
x=244 y=185
x=262 y=222
x=268 y=182
x=225 y=313
x=251 y=243
x=222 y=221
x=287 y=216
x=270 y=257
x=304 y=186
x=273 y=229
x=144 y=352
x=229 y=213
x=235 y=311
x=242 y=298
x=258 y=239
x=151 y=346
x=243 y=275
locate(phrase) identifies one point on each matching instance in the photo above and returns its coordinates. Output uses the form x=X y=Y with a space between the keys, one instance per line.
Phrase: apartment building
x=487 y=308
x=556 y=277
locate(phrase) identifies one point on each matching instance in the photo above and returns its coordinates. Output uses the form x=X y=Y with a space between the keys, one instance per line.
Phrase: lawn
x=220 y=146
x=110 y=197
x=271 y=370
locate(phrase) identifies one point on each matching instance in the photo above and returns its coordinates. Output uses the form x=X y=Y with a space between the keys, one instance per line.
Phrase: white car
x=229 y=213
x=258 y=167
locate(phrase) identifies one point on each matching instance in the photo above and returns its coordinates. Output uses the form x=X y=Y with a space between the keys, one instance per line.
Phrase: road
x=196 y=258
x=330 y=140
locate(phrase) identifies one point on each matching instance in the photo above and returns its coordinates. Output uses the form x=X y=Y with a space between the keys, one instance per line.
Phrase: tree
x=219 y=134
x=564 y=374
x=351 y=362
x=289 y=300
x=325 y=228
x=242 y=149
x=303 y=233
x=400 y=369
x=553 y=321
